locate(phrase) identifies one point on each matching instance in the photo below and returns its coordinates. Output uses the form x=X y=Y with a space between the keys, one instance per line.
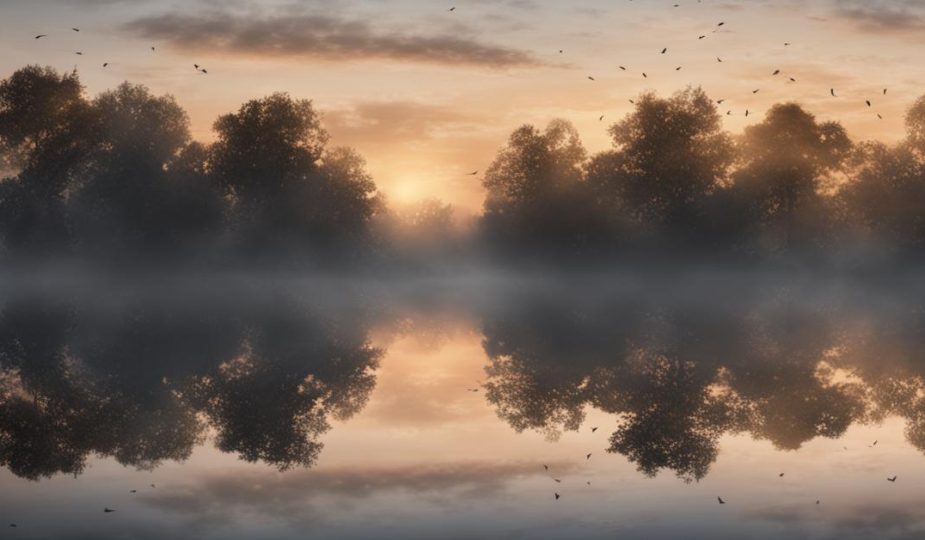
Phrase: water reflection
x=262 y=375
x=677 y=374
x=145 y=381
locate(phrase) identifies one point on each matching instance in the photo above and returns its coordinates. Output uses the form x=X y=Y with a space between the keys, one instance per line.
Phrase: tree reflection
x=678 y=376
x=145 y=382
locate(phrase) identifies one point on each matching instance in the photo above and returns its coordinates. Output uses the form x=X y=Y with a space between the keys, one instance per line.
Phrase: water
x=403 y=407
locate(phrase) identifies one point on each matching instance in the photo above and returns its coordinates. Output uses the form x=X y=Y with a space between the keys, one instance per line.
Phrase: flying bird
x=776 y=72
x=590 y=78
x=721 y=501
x=593 y=429
x=108 y=510
x=781 y=475
x=868 y=102
x=152 y=485
x=884 y=91
x=892 y=479
x=105 y=64
x=473 y=173
x=588 y=457
x=622 y=68
x=664 y=50
x=792 y=79
x=755 y=91
x=832 y=91
x=557 y=480
x=133 y=491
x=546 y=466
x=76 y=29
x=746 y=113
x=13 y=525
x=601 y=118
x=720 y=24
x=40 y=36
x=557 y=496
x=452 y=8
x=152 y=48
x=78 y=53
x=718 y=59
x=879 y=116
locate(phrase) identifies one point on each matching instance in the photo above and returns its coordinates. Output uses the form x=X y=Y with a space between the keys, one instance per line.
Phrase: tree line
x=119 y=176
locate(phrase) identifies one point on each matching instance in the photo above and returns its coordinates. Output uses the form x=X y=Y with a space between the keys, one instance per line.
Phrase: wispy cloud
x=884 y=16
x=324 y=37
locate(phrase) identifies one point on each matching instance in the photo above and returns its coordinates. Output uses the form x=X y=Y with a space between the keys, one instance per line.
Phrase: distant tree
x=669 y=155
x=289 y=190
x=536 y=193
x=886 y=187
x=46 y=129
x=784 y=161
x=145 y=187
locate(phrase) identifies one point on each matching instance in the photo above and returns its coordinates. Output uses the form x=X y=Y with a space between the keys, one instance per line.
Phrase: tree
x=783 y=163
x=287 y=188
x=668 y=156
x=536 y=193
x=44 y=126
x=145 y=188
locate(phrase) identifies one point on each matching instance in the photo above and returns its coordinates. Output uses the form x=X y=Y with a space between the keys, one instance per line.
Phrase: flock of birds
x=197 y=67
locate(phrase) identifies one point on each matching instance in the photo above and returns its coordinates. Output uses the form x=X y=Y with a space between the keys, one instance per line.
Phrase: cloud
x=885 y=17
x=216 y=498
x=324 y=37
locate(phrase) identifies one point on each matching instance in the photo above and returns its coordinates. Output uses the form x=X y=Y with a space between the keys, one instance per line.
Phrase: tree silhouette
x=668 y=156
x=288 y=190
x=784 y=160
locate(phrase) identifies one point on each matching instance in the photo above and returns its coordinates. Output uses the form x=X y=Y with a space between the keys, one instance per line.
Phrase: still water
x=461 y=406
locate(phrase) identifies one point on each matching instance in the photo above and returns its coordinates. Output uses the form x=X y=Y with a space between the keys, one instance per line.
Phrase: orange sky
x=427 y=95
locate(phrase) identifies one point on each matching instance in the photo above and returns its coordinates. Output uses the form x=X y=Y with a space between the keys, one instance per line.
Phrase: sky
x=428 y=95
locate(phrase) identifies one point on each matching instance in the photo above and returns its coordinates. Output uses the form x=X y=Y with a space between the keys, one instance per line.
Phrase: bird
x=781 y=475
x=40 y=36
x=892 y=479
x=792 y=79
x=105 y=64
x=76 y=29
x=561 y=51
x=664 y=50
x=557 y=496
x=587 y=457
x=593 y=429
x=884 y=91
x=721 y=501
x=832 y=91
x=133 y=491
x=590 y=78
x=776 y=72
x=868 y=102
x=755 y=91
x=152 y=485
x=633 y=102
x=880 y=116
x=152 y=48
x=677 y=68
x=746 y=113
x=622 y=68
x=452 y=8
x=13 y=525
x=196 y=66
x=473 y=173
x=589 y=483
x=720 y=24
x=78 y=53
x=203 y=71
x=817 y=501
x=873 y=445
x=718 y=59
x=546 y=466
x=786 y=44
x=720 y=101
x=557 y=480
x=108 y=510
x=701 y=37
x=601 y=118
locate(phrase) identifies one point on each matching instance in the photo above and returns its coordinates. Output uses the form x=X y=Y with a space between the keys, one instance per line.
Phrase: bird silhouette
x=781 y=475
x=40 y=36
x=557 y=480
x=76 y=29
x=590 y=78
x=105 y=64
x=452 y=8
x=622 y=68
x=601 y=118
x=776 y=72
x=892 y=479
x=133 y=491
x=473 y=173
x=832 y=91
x=664 y=50
x=721 y=501
x=13 y=525
x=593 y=429
x=546 y=466
x=557 y=496
x=587 y=457
x=108 y=510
